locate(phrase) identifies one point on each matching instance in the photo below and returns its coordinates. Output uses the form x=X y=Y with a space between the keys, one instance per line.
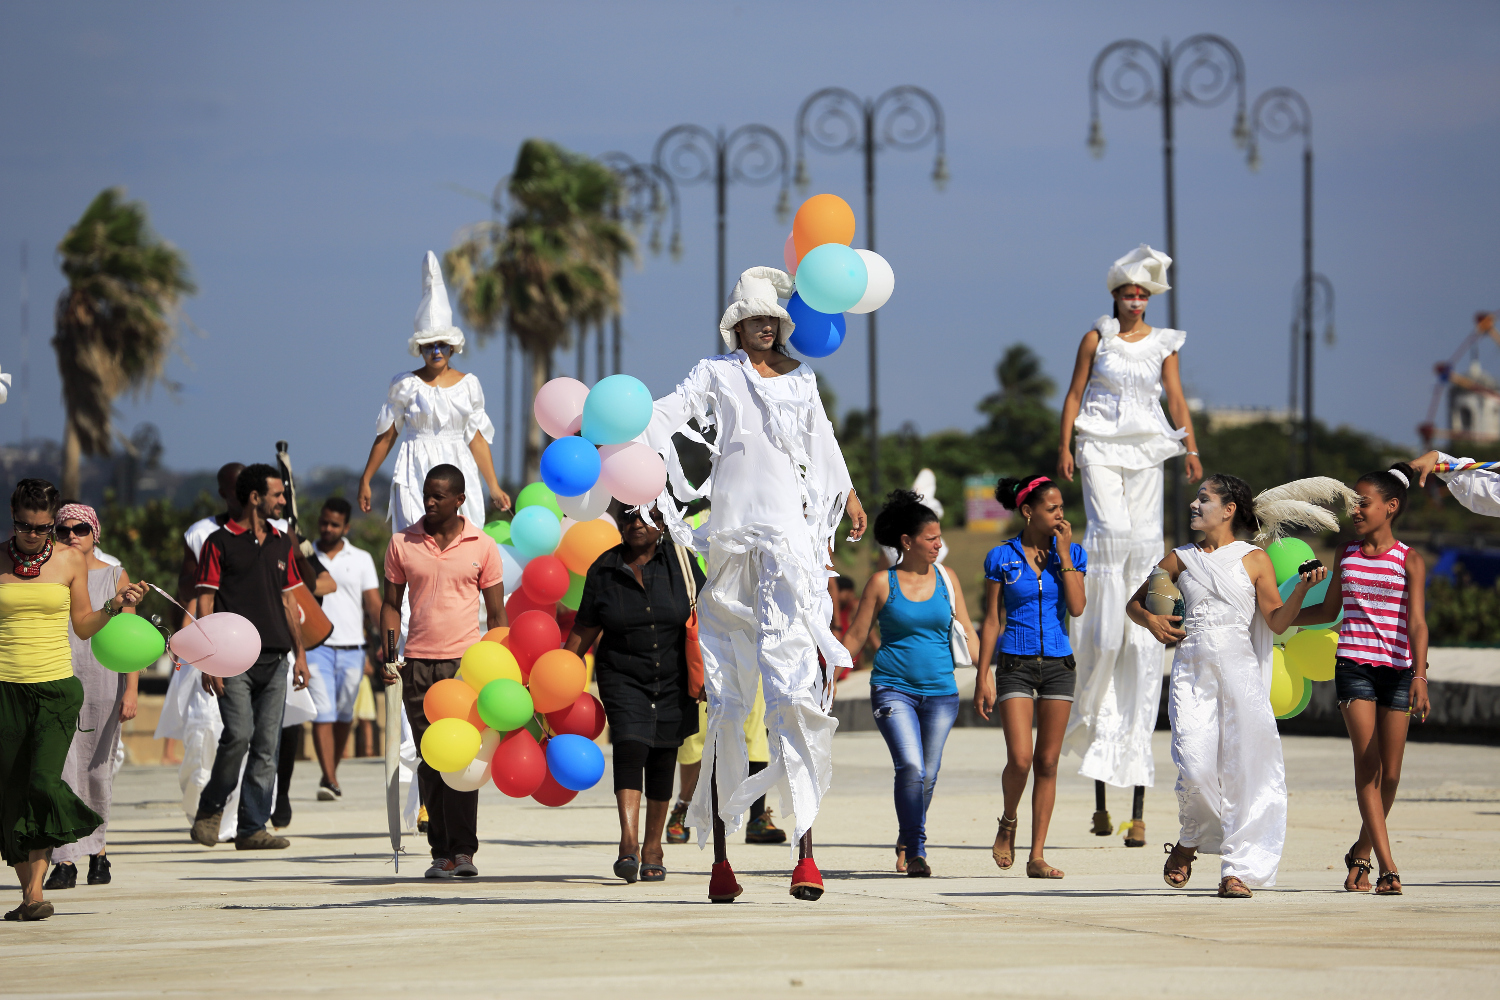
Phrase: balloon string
x=171 y=601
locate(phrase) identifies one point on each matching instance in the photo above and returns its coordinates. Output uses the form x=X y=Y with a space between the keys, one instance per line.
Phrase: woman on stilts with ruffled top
x=1123 y=439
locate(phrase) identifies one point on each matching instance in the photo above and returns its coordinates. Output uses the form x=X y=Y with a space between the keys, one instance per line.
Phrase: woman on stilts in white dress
x=1113 y=406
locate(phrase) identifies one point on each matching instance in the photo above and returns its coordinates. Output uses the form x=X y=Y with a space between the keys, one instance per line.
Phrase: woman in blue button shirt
x=1040 y=575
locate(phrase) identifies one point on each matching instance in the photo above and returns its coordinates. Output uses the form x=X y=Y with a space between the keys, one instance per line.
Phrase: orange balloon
x=557 y=679
x=585 y=542
x=823 y=218
x=449 y=699
x=497 y=634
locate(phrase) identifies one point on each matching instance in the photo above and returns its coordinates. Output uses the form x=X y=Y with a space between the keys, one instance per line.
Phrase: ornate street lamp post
x=1203 y=71
x=751 y=154
x=648 y=195
x=835 y=120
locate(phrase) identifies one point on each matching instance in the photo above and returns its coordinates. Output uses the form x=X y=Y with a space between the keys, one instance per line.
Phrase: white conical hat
x=434 y=323
x=1141 y=266
x=755 y=294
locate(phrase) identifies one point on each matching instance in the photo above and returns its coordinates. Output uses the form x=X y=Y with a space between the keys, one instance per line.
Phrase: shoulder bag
x=958 y=639
x=694 y=651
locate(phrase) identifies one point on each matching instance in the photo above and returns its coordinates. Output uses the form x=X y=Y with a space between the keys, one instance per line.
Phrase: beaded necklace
x=26 y=566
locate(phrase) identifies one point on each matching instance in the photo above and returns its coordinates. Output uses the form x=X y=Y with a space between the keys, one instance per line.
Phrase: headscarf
x=80 y=512
x=1141 y=266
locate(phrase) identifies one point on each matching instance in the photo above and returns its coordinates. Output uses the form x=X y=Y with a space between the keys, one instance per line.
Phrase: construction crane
x=1448 y=378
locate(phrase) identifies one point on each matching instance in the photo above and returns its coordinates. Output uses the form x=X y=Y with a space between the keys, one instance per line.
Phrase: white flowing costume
x=436 y=426
x=1476 y=490
x=1231 y=782
x=777 y=489
x=1123 y=439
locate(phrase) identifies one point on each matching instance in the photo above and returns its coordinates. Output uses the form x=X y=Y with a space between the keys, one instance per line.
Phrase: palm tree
x=548 y=266
x=116 y=320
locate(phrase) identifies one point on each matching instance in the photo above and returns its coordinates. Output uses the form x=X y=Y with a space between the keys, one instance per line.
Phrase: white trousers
x=1118 y=690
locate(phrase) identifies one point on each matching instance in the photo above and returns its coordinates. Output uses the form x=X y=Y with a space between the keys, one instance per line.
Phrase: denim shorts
x=1387 y=687
x=1034 y=677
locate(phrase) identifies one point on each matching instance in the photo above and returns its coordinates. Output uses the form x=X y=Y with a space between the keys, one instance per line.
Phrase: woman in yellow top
x=45 y=587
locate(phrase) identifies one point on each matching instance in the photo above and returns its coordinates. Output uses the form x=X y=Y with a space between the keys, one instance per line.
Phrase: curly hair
x=904 y=513
x=1390 y=487
x=1233 y=489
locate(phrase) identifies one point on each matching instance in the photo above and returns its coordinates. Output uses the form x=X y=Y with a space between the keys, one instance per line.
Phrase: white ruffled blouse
x=436 y=425
x=1121 y=422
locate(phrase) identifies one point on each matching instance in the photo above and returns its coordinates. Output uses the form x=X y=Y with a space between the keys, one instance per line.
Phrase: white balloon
x=586 y=506
x=477 y=774
x=882 y=282
x=513 y=561
x=611 y=520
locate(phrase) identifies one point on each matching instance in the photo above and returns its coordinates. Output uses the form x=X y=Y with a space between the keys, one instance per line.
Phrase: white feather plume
x=1303 y=503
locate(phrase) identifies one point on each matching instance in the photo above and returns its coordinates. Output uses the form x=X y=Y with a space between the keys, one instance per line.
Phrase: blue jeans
x=915 y=728
x=252 y=707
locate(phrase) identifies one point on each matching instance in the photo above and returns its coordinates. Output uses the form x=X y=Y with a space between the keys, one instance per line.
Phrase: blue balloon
x=1314 y=597
x=615 y=411
x=535 y=531
x=570 y=466
x=816 y=334
x=831 y=278
x=576 y=763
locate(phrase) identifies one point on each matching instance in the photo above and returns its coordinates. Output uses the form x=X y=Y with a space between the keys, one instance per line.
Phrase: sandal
x=1389 y=884
x=628 y=868
x=1359 y=872
x=1004 y=851
x=37 y=910
x=1230 y=887
x=1037 y=868
x=917 y=868
x=1179 y=866
x=653 y=873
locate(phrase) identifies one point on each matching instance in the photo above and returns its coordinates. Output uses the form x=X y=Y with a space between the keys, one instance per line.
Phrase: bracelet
x=108 y=610
x=1192 y=453
x=1419 y=677
x=1070 y=569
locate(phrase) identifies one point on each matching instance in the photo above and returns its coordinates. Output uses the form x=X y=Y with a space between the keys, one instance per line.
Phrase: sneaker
x=328 y=791
x=441 y=868
x=64 y=876
x=205 y=829
x=98 y=870
x=422 y=820
x=677 y=829
x=762 y=831
x=807 y=881
x=261 y=840
x=463 y=866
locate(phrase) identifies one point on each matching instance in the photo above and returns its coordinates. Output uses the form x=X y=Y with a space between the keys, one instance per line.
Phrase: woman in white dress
x=1231 y=783
x=1113 y=407
x=437 y=413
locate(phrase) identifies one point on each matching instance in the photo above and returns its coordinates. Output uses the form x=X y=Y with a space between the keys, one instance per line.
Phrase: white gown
x=1123 y=439
x=1478 y=491
x=778 y=489
x=436 y=426
x=1231 y=782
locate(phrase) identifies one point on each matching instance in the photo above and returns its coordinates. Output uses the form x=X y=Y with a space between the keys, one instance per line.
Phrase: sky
x=304 y=156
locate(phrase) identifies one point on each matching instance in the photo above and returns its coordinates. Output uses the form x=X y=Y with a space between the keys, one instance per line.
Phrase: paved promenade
x=546 y=918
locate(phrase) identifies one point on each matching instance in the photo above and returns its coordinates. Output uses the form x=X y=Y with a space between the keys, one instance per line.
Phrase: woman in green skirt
x=45 y=587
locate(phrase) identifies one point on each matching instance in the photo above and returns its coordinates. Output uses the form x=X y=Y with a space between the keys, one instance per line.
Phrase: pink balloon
x=559 y=406
x=789 y=255
x=632 y=472
x=222 y=644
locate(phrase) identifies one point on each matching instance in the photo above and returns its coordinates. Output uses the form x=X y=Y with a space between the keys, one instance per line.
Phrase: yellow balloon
x=1281 y=638
x=1283 y=691
x=1311 y=653
x=450 y=745
x=487 y=661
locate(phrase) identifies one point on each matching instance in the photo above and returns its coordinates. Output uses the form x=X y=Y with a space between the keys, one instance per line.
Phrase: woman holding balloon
x=636 y=602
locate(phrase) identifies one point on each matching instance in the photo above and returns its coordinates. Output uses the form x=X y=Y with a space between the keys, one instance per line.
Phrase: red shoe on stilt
x=722 y=885
x=807 y=881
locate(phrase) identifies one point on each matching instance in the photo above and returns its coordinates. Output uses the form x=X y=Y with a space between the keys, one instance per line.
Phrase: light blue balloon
x=513 y=561
x=1314 y=597
x=615 y=411
x=535 y=531
x=570 y=466
x=831 y=278
x=576 y=763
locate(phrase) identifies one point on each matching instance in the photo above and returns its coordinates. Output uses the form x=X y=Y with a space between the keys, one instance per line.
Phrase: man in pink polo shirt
x=447 y=563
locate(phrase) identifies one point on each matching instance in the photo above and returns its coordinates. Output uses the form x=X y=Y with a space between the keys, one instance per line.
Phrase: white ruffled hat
x=434 y=324
x=1141 y=266
x=755 y=294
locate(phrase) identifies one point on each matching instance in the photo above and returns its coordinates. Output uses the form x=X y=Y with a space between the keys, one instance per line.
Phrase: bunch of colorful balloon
x=832 y=278
x=595 y=454
x=517 y=715
x=546 y=552
x=1302 y=654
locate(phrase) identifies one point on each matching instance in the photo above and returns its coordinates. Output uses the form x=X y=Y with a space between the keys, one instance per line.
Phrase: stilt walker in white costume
x=1113 y=406
x=779 y=489
x=1231 y=781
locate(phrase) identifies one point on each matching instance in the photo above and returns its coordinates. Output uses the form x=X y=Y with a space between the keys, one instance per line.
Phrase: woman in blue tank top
x=912 y=690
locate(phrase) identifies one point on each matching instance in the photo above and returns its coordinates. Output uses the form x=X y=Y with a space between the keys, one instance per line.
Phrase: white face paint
x=1133 y=305
x=1207 y=511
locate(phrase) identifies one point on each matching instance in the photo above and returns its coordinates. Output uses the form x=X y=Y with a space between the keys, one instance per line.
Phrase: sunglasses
x=82 y=529
x=22 y=528
x=437 y=348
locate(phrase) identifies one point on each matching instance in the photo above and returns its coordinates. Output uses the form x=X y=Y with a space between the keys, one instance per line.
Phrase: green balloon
x=505 y=705
x=499 y=531
x=574 y=596
x=1286 y=555
x=534 y=727
x=128 y=643
x=1306 y=697
x=537 y=495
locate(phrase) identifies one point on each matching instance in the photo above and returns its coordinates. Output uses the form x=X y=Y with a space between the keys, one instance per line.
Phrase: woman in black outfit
x=635 y=603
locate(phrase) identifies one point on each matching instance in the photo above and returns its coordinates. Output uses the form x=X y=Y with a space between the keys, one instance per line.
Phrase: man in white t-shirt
x=337 y=665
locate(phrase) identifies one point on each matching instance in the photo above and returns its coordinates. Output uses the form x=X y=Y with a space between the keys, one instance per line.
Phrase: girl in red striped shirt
x=1381 y=671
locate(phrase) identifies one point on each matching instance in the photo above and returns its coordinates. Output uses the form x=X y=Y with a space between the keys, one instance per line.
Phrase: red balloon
x=519 y=766
x=551 y=793
x=585 y=717
x=545 y=580
x=532 y=633
x=520 y=602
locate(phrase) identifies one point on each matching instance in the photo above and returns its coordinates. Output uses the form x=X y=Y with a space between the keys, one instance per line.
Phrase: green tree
x=116 y=320
x=548 y=266
x=1021 y=432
